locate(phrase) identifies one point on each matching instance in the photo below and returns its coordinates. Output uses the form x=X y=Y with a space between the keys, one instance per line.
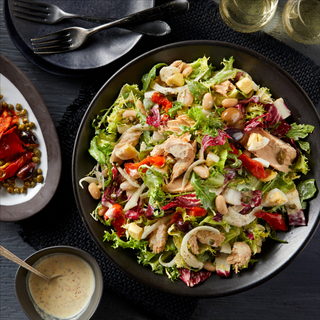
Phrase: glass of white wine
x=247 y=15
x=301 y=20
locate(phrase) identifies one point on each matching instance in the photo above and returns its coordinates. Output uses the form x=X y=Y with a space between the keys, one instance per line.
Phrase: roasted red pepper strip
x=7 y=120
x=10 y=144
x=150 y=161
x=115 y=213
x=275 y=220
x=8 y=171
x=253 y=166
x=196 y=211
x=176 y=217
x=234 y=150
x=161 y=100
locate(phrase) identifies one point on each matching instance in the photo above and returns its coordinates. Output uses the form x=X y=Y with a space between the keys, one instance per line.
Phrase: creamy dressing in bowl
x=65 y=297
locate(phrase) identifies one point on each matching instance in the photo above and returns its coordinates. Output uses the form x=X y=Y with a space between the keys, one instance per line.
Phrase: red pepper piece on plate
x=10 y=144
x=253 y=166
x=275 y=220
x=115 y=213
x=10 y=169
x=161 y=100
x=7 y=120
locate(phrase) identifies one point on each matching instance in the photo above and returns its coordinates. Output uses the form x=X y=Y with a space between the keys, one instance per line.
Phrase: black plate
x=275 y=256
x=101 y=49
x=14 y=211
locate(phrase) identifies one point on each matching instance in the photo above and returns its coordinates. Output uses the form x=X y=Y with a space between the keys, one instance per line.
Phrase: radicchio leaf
x=191 y=278
x=255 y=200
x=282 y=129
x=113 y=188
x=135 y=212
x=155 y=119
x=219 y=140
x=185 y=201
x=297 y=218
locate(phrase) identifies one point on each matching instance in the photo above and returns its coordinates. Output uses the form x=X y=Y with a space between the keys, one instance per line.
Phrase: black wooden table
x=292 y=294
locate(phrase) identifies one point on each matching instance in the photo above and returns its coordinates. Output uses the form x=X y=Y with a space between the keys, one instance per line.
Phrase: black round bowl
x=275 y=256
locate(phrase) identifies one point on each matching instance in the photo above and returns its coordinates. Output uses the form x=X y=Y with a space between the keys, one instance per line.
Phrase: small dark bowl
x=275 y=256
x=21 y=285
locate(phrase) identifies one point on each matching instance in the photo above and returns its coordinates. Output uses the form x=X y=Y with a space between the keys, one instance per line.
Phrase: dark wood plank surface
x=294 y=294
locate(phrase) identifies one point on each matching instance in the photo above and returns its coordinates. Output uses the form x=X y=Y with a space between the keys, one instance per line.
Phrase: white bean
x=202 y=171
x=221 y=205
x=209 y=266
x=94 y=191
x=187 y=71
x=229 y=102
x=102 y=211
x=207 y=101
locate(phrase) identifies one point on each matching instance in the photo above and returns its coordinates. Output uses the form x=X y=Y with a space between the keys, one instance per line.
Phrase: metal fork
x=51 y=14
x=72 y=38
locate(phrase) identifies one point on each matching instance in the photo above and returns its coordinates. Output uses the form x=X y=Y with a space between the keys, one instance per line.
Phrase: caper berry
x=27 y=184
x=32 y=184
x=292 y=206
x=39 y=171
x=18 y=106
x=10 y=190
x=21 y=127
x=4 y=104
x=246 y=199
x=10 y=106
x=25 y=120
x=35 y=159
x=23 y=113
x=23 y=190
x=31 y=125
x=16 y=190
x=40 y=178
x=37 y=152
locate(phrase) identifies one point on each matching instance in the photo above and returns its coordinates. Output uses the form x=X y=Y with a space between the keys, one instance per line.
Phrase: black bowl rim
x=136 y=60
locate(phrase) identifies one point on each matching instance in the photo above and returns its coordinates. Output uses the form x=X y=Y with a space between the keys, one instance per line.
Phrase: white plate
x=17 y=88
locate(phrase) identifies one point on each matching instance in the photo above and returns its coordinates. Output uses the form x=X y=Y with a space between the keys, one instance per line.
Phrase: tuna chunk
x=181 y=149
x=272 y=150
x=210 y=238
x=158 y=238
x=240 y=255
x=131 y=137
x=173 y=125
x=176 y=187
x=183 y=164
x=205 y=237
x=223 y=87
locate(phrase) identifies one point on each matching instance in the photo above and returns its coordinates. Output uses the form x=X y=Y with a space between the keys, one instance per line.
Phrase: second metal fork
x=72 y=38
x=50 y=14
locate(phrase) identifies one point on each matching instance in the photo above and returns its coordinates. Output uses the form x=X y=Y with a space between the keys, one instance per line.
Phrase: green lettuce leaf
x=306 y=189
x=202 y=191
x=299 y=131
x=146 y=78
